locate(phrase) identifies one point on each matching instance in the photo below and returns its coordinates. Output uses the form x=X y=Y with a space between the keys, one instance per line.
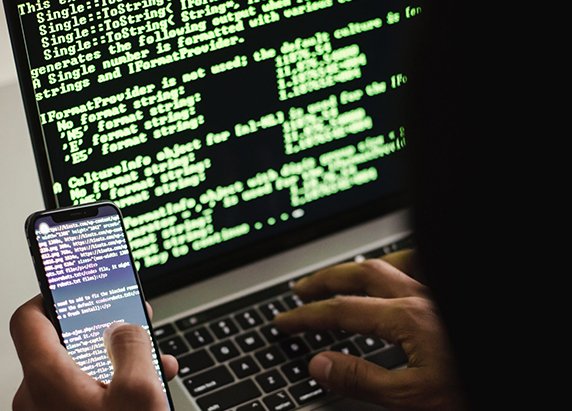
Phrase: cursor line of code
x=213 y=123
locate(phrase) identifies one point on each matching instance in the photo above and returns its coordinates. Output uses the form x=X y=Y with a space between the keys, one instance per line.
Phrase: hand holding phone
x=53 y=381
x=88 y=281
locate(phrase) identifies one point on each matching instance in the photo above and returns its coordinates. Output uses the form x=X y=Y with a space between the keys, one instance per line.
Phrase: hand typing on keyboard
x=53 y=381
x=376 y=298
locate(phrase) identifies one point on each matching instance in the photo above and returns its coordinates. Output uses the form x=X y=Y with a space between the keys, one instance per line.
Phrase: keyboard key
x=271 y=381
x=194 y=362
x=253 y=406
x=346 y=347
x=341 y=335
x=272 y=334
x=199 y=337
x=392 y=357
x=369 y=344
x=224 y=328
x=230 y=397
x=269 y=357
x=174 y=346
x=307 y=391
x=294 y=347
x=248 y=319
x=225 y=351
x=271 y=309
x=164 y=331
x=318 y=339
x=279 y=402
x=243 y=367
x=308 y=358
x=208 y=381
x=293 y=301
x=250 y=341
x=186 y=323
x=295 y=370
x=359 y=258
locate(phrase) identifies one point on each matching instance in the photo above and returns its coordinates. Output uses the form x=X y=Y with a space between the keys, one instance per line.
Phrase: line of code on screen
x=215 y=124
x=93 y=284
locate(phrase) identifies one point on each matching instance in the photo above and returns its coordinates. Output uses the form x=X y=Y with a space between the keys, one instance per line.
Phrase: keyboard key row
x=227 y=327
x=304 y=391
x=199 y=337
x=245 y=391
x=290 y=348
x=231 y=307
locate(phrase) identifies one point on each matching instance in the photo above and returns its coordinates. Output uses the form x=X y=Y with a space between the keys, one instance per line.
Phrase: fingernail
x=320 y=368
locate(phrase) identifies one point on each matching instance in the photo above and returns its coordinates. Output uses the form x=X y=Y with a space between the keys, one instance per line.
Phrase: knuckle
x=339 y=305
x=336 y=302
x=375 y=264
x=338 y=309
x=412 y=308
x=414 y=315
x=372 y=268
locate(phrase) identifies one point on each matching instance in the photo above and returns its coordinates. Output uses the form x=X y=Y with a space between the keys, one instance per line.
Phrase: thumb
x=135 y=378
x=351 y=376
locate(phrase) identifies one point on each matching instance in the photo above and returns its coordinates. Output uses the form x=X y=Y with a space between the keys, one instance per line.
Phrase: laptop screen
x=224 y=130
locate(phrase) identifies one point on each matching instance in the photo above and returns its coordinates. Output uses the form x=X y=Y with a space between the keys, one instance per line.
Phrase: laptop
x=248 y=144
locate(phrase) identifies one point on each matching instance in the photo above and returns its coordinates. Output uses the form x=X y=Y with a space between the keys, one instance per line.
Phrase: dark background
x=473 y=222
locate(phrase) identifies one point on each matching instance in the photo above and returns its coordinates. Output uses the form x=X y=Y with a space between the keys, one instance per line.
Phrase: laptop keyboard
x=231 y=357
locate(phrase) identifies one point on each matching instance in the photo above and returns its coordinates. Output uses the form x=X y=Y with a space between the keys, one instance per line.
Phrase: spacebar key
x=229 y=397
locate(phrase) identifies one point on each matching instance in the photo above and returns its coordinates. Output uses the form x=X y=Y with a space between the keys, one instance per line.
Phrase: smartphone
x=88 y=280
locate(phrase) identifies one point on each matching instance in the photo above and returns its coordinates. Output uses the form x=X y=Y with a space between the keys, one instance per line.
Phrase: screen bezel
x=210 y=267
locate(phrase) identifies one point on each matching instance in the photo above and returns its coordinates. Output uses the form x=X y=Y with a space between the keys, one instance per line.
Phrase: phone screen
x=92 y=281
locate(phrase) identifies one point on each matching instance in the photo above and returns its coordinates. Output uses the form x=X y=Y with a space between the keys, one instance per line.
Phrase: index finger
x=368 y=316
x=374 y=277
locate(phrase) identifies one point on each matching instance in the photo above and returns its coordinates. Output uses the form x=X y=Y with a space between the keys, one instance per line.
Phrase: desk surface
x=20 y=195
